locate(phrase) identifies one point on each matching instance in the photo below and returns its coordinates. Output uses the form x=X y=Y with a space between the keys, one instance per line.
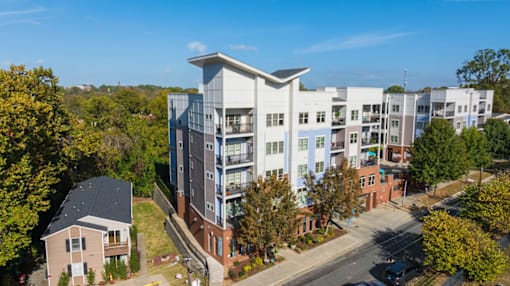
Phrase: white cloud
x=22 y=12
x=197 y=47
x=357 y=41
x=243 y=47
x=40 y=61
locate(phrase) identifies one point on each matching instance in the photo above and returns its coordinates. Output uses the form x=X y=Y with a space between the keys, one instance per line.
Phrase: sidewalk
x=360 y=232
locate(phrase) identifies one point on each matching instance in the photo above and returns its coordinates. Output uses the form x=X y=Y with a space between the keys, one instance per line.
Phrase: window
x=274 y=119
x=475 y=108
x=319 y=167
x=353 y=137
x=75 y=244
x=210 y=207
x=420 y=109
x=302 y=170
x=371 y=180
x=459 y=109
x=321 y=117
x=362 y=181
x=395 y=108
x=302 y=197
x=208 y=116
x=353 y=160
x=394 y=123
x=233 y=178
x=393 y=139
x=459 y=124
x=191 y=139
x=275 y=147
x=465 y=108
x=420 y=125
x=191 y=164
x=181 y=169
x=209 y=146
x=76 y=269
x=427 y=109
x=209 y=175
x=302 y=144
x=180 y=144
x=473 y=123
x=233 y=149
x=354 y=115
x=319 y=142
x=488 y=107
x=303 y=118
x=277 y=172
x=113 y=236
x=233 y=119
x=219 y=246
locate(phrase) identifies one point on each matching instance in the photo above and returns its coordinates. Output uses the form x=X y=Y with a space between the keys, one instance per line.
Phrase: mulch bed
x=315 y=239
x=164 y=259
x=236 y=269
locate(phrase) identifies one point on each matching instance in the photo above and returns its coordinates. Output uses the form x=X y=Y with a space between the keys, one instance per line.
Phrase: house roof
x=101 y=197
x=279 y=76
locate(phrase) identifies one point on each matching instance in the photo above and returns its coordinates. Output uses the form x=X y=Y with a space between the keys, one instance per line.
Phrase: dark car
x=370 y=283
x=399 y=272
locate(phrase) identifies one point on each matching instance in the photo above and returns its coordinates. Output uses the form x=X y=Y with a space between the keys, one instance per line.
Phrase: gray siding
x=210 y=185
x=197 y=174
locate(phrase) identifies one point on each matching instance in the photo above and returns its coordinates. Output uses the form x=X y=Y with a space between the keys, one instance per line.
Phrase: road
x=367 y=262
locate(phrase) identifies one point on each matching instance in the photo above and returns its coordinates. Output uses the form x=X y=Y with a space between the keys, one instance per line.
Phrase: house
x=90 y=228
x=247 y=123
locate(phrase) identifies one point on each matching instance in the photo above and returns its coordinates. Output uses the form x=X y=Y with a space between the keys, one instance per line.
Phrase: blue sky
x=344 y=43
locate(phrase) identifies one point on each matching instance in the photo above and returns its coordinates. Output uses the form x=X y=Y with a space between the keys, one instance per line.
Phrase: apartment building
x=247 y=123
x=90 y=228
x=405 y=115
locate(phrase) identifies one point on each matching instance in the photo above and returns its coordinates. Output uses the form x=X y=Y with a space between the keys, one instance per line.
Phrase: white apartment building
x=247 y=123
x=408 y=113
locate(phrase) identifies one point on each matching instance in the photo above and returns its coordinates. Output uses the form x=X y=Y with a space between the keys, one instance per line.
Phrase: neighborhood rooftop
x=101 y=197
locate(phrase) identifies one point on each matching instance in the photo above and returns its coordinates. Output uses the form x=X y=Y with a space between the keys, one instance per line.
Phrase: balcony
x=368 y=163
x=371 y=141
x=113 y=249
x=339 y=145
x=235 y=129
x=219 y=220
x=233 y=189
x=481 y=111
x=372 y=118
x=338 y=122
x=235 y=159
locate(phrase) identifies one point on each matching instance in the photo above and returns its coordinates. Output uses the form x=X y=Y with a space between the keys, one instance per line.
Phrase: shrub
x=319 y=239
x=253 y=265
x=309 y=242
x=133 y=233
x=247 y=268
x=91 y=276
x=122 y=269
x=259 y=261
x=308 y=236
x=63 y=279
x=231 y=274
x=320 y=230
x=236 y=263
x=134 y=261
x=242 y=274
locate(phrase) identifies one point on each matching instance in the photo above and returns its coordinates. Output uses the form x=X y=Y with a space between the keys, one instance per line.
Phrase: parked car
x=399 y=272
x=370 y=283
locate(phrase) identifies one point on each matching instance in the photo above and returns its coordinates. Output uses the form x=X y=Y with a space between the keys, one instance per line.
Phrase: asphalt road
x=369 y=261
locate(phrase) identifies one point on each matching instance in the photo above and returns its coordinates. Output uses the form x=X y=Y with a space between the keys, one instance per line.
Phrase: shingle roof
x=283 y=74
x=101 y=197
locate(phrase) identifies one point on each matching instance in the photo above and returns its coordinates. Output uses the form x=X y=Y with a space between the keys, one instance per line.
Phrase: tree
x=489 y=69
x=91 y=276
x=63 y=279
x=477 y=148
x=498 y=135
x=394 y=89
x=270 y=214
x=489 y=205
x=336 y=194
x=34 y=131
x=452 y=243
x=438 y=154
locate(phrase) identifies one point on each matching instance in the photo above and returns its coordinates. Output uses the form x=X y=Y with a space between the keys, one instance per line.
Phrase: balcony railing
x=235 y=159
x=233 y=189
x=481 y=111
x=338 y=121
x=367 y=163
x=219 y=220
x=235 y=128
x=373 y=118
x=113 y=249
x=369 y=141
x=337 y=145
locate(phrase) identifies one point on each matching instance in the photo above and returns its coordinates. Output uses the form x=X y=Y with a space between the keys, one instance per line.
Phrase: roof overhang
x=201 y=61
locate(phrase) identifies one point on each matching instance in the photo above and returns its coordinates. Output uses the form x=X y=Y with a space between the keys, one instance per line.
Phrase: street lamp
x=427 y=196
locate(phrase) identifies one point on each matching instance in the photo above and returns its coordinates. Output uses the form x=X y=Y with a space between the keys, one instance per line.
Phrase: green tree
x=34 y=131
x=63 y=279
x=489 y=69
x=335 y=194
x=477 y=147
x=498 y=135
x=91 y=276
x=452 y=243
x=269 y=214
x=394 y=89
x=489 y=205
x=438 y=154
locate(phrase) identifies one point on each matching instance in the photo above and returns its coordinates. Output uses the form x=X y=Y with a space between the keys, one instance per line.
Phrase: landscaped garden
x=255 y=264
x=319 y=236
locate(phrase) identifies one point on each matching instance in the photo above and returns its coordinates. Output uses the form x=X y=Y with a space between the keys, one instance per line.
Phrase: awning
x=396 y=155
x=381 y=171
x=370 y=153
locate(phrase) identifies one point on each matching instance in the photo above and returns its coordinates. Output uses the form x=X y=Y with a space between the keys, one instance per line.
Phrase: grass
x=149 y=219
